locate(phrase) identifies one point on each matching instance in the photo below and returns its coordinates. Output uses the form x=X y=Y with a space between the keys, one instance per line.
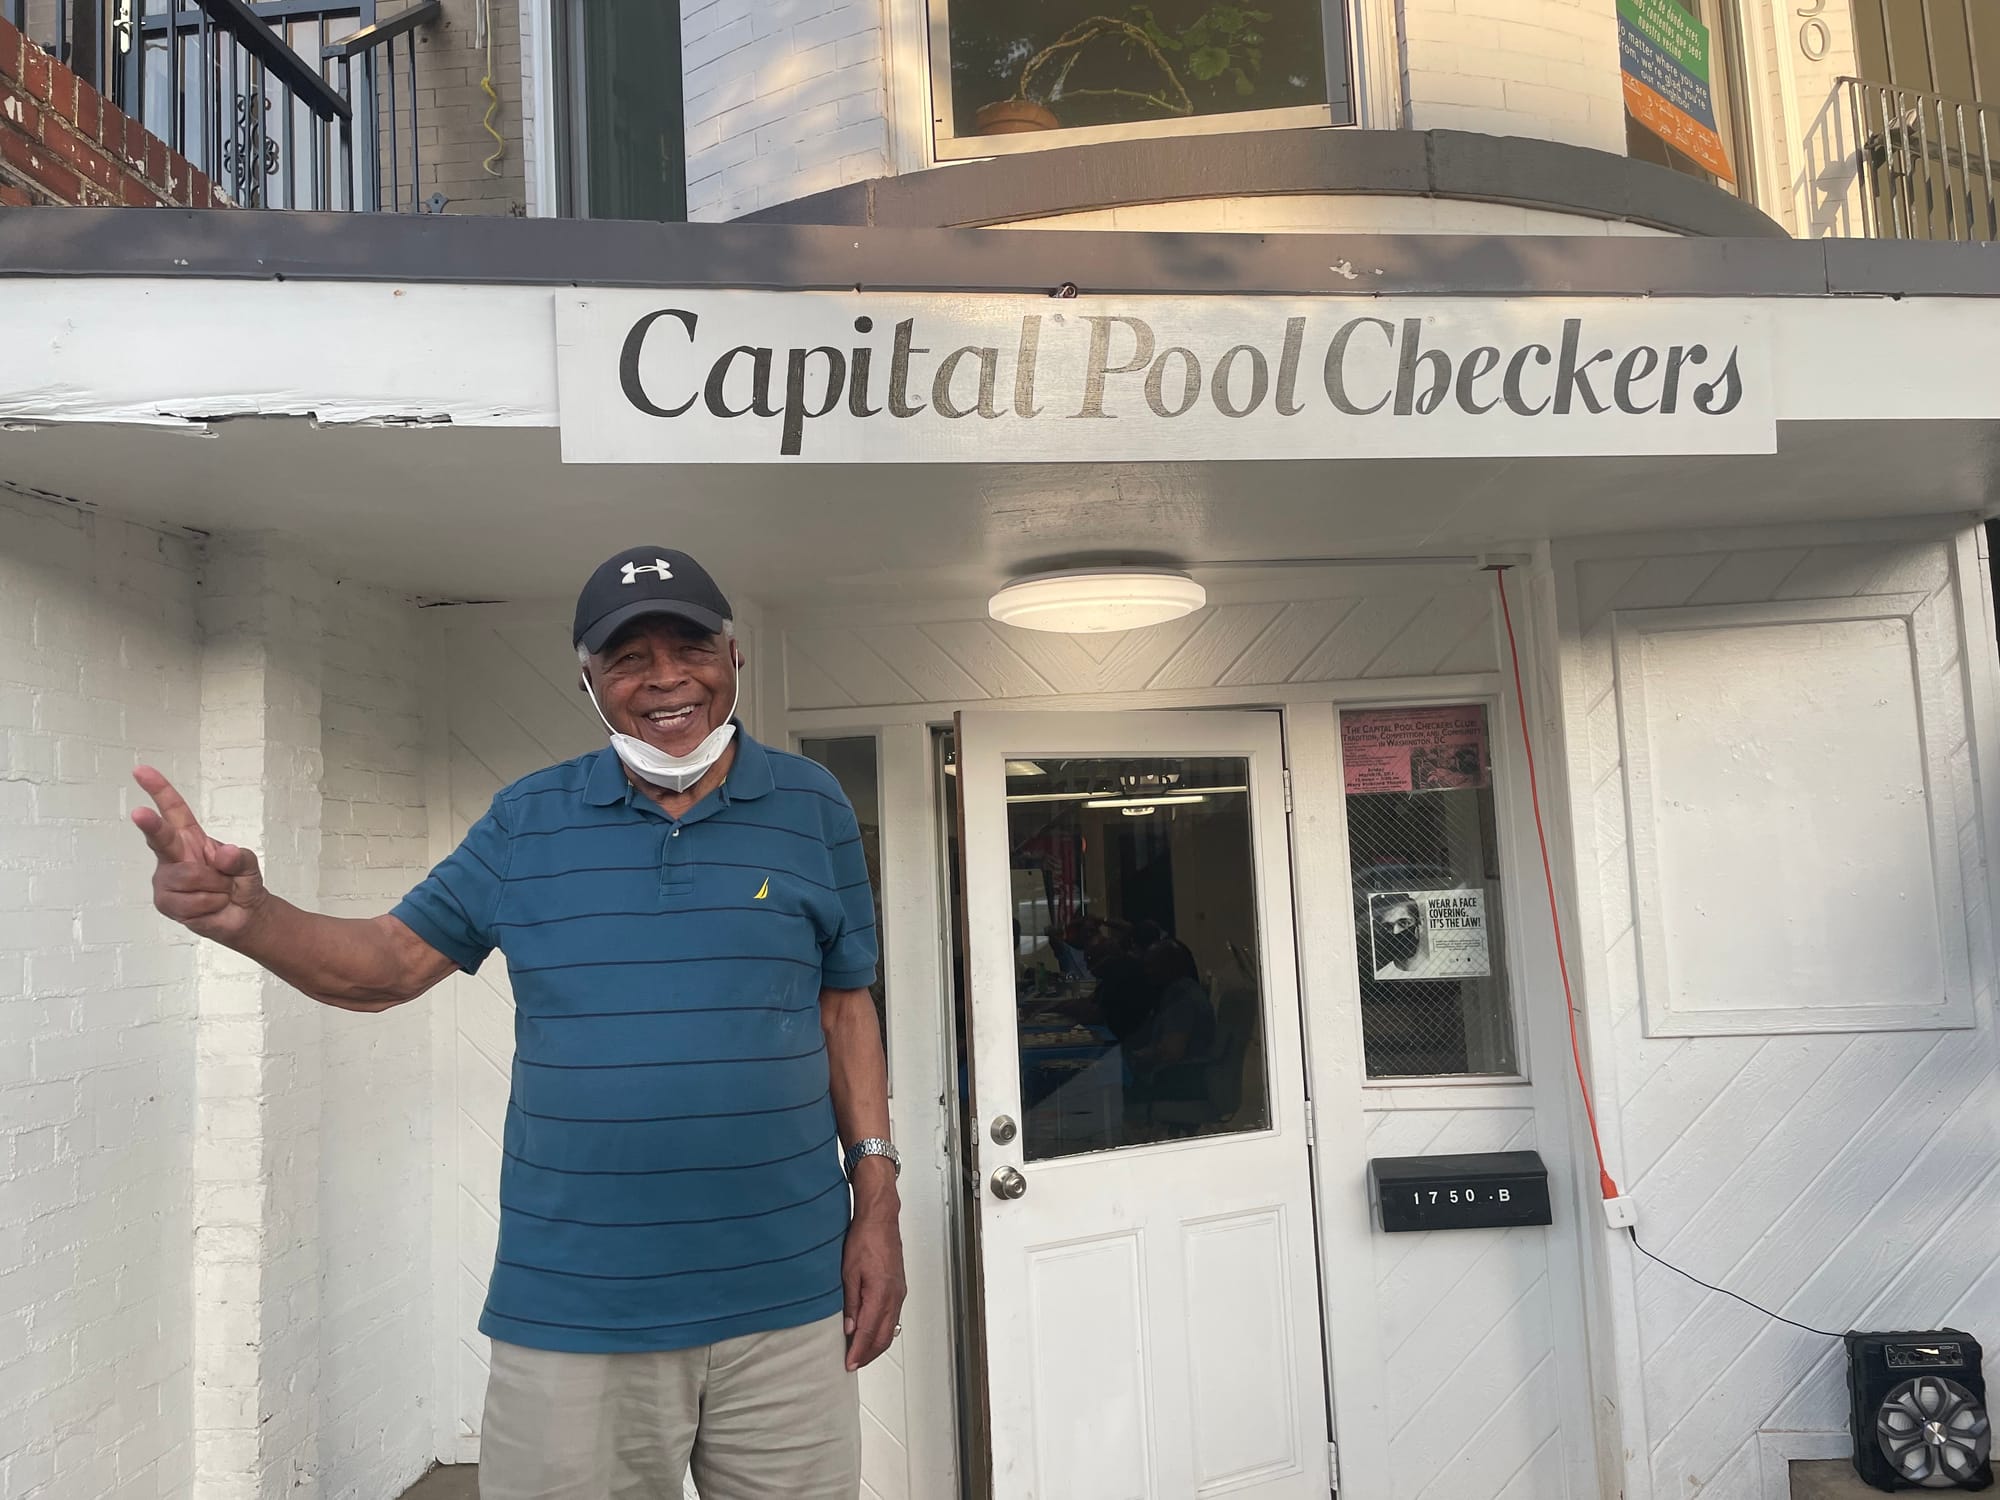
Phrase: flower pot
x=1012 y=117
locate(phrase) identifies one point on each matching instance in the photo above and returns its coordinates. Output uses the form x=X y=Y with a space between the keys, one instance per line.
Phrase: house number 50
x=1815 y=41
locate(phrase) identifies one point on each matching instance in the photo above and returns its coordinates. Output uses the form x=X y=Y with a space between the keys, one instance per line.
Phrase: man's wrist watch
x=873 y=1146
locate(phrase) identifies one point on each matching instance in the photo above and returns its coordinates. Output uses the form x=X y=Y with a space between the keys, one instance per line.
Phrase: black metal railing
x=1927 y=168
x=365 y=64
x=296 y=104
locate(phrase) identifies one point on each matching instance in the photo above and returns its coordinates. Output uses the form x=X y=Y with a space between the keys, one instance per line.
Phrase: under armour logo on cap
x=658 y=565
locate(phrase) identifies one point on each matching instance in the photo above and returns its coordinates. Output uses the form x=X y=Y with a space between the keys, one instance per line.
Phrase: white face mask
x=676 y=773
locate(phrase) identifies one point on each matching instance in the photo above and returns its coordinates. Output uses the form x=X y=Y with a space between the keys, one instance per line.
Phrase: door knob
x=1009 y=1183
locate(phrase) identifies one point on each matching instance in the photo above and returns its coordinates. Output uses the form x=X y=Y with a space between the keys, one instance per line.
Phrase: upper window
x=1684 y=89
x=1014 y=74
x=620 y=153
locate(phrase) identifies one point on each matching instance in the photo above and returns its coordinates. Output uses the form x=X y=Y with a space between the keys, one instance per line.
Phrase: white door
x=1145 y=1212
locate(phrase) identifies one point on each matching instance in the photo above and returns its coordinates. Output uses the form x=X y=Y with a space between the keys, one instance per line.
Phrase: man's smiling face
x=666 y=681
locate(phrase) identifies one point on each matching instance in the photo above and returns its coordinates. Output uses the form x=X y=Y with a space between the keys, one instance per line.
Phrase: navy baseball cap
x=644 y=581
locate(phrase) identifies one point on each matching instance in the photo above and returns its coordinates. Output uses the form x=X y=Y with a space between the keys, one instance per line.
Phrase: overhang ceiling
x=492 y=513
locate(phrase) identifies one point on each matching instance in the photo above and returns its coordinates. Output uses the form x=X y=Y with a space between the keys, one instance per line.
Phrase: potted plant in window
x=1221 y=44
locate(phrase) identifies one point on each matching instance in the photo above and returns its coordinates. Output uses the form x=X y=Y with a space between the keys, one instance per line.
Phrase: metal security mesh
x=1427 y=905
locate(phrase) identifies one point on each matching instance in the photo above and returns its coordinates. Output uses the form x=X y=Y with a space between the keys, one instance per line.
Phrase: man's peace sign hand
x=213 y=889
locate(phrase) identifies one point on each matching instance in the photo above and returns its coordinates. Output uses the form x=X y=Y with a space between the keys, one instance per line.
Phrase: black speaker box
x=1917 y=1404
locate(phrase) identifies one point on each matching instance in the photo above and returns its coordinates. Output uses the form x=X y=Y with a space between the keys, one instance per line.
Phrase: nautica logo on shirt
x=763 y=890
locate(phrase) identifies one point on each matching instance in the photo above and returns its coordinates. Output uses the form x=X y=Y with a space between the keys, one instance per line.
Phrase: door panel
x=1087 y=1321
x=1239 y=1311
x=1150 y=1294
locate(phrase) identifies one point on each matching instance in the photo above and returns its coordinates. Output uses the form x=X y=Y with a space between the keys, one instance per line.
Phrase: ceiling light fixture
x=1088 y=601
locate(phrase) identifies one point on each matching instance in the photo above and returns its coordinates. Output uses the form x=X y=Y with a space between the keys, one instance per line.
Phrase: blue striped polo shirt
x=670 y=1172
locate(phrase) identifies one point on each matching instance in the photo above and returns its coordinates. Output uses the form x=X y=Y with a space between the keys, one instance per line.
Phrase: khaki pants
x=770 y=1416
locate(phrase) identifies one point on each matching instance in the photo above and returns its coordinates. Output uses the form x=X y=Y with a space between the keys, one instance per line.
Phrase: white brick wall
x=375 y=1127
x=215 y=1200
x=256 y=1143
x=98 y=671
x=1541 y=68
x=784 y=98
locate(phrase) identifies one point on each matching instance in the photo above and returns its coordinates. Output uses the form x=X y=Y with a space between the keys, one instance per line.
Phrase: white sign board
x=820 y=377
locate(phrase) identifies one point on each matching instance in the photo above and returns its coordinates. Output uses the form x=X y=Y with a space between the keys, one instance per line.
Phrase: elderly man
x=684 y=1277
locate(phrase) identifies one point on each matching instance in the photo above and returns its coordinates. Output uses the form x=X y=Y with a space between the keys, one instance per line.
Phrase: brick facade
x=63 y=143
x=451 y=111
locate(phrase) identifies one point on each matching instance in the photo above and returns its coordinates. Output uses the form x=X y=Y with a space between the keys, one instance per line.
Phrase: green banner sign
x=1672 y=30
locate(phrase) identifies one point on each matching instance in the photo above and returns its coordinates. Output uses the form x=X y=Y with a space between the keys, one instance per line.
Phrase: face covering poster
x=1428 y=934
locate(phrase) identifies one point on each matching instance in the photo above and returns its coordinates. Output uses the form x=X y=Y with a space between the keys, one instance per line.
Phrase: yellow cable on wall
x=491 y=164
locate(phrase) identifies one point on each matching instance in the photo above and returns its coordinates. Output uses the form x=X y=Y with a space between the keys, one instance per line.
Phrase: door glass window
x=1428 y=918
x=1138 y=998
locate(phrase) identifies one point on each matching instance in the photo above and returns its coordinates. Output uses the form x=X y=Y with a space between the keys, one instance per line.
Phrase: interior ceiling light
x=1149 y=803
x=1088 y=601
x=1111 y=799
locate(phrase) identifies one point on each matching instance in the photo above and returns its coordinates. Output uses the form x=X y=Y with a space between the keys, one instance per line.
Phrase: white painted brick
x=858 y=107
x=1545 y=68
x=766 y=70
x=853 y=51
x=717 y=42
x=1555 y=106
x=98 y=1220
x=372 y=1252
x=1469 y=90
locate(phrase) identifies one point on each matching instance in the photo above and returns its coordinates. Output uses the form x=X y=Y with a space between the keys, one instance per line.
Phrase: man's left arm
x=872 y=1270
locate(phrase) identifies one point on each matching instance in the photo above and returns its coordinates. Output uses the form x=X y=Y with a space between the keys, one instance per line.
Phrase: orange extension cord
x=1606 y=1184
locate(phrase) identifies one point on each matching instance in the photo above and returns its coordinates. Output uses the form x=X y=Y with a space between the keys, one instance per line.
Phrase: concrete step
x=446 y=1482
x=1828 y=1479
x=1835 y=1479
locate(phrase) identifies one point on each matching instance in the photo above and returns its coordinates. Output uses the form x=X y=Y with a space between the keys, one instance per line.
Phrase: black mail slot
x=1486 y=1190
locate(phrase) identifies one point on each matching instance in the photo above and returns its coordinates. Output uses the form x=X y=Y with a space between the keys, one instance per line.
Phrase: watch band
x=874 y=1146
